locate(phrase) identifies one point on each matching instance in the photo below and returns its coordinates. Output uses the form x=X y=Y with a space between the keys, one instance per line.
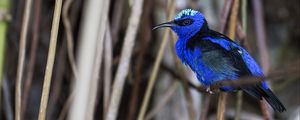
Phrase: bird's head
x=186 y=23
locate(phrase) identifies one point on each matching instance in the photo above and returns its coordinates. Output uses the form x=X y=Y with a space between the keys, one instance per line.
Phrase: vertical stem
x=262 y=47
x=156 y=66
x=89 y=32
x=116 y=20
x=33 y=50
x=21 y=59
x=233 y=19
x=261 y=35
x=238 y=105
x=244 y=15
x=108 y=52
x=69 y=37
x=223 y=22
x=123 y=67
x=50 y=60
x=146 y=36
x=226 y=10
x=240 y=93
x=231 y=34
x=97 y=62
x=221 y=106
x=163 y=100
x=205 y=107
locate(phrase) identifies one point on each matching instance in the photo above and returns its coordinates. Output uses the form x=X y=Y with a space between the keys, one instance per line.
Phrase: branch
x=254 y=80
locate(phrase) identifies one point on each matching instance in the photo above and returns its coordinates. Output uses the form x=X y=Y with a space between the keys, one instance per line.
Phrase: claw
x=209 y=91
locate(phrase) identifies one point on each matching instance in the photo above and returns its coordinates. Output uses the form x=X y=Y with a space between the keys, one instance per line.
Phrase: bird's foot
x=209 y=91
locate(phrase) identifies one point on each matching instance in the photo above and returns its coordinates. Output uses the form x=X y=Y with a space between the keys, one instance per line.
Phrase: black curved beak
x=167 y=24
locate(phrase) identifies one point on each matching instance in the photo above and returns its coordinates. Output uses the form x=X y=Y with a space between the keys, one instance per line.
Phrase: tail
x=274 y=101
x=258 y=92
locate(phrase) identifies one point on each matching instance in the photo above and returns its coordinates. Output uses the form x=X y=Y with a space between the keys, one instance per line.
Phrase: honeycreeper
x=214 y=57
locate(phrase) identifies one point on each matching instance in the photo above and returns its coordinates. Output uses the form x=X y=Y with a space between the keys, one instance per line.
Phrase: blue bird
x=214 y=57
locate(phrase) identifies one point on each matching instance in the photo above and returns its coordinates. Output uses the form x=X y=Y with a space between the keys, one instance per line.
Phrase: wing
x=241 y=56
x=246 y=65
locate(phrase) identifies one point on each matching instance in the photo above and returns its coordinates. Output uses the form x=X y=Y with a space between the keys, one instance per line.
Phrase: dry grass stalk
x=97 y=62
x=21 y=60
x=92 y=19
x=244 y=24
x=33 y=53
x=163 y=101
x=126 y=54
x=231 y=35
x=221 y=106
x=262 y=47
x=157 y=62
x=108 y=52
x=50 y=60
x=69 y=35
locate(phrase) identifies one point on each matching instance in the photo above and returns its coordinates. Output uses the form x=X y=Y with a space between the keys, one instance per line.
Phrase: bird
x=214 y=57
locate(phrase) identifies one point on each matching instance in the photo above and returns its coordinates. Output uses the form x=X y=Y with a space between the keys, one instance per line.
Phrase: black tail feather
x=258 y=92
x=274 y=101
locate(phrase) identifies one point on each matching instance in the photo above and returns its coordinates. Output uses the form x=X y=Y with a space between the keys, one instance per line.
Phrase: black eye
x=185 y=22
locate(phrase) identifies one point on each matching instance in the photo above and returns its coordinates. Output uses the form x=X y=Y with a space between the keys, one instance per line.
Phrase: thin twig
x=61 y=57
x=145 y=35
x=264 y=109
x=116 y=19
x=60 y=69
x=262 y=47
x=221 y=105
x=69 y=35
x=252 y=79
x=156 y=66
x=50 y=60
x=66 y=107
x=163 y=101
x=108 y=52
x=231 y=34
x=287 y=71
x=261 y=35
x=122 y=70
x=225 y=14
x=233 y=19
x=21 y=60
x=58 y=80
x=33 y=50
x=238 y=105
x=240 y=93
x=205 y=109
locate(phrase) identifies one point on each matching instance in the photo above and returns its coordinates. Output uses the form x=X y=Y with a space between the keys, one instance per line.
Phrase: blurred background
x=107 y=56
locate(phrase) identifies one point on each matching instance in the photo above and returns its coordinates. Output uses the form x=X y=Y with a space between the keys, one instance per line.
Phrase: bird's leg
x=209 y=91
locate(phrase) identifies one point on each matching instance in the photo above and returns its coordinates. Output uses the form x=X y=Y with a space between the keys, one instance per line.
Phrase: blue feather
x=214 y=57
